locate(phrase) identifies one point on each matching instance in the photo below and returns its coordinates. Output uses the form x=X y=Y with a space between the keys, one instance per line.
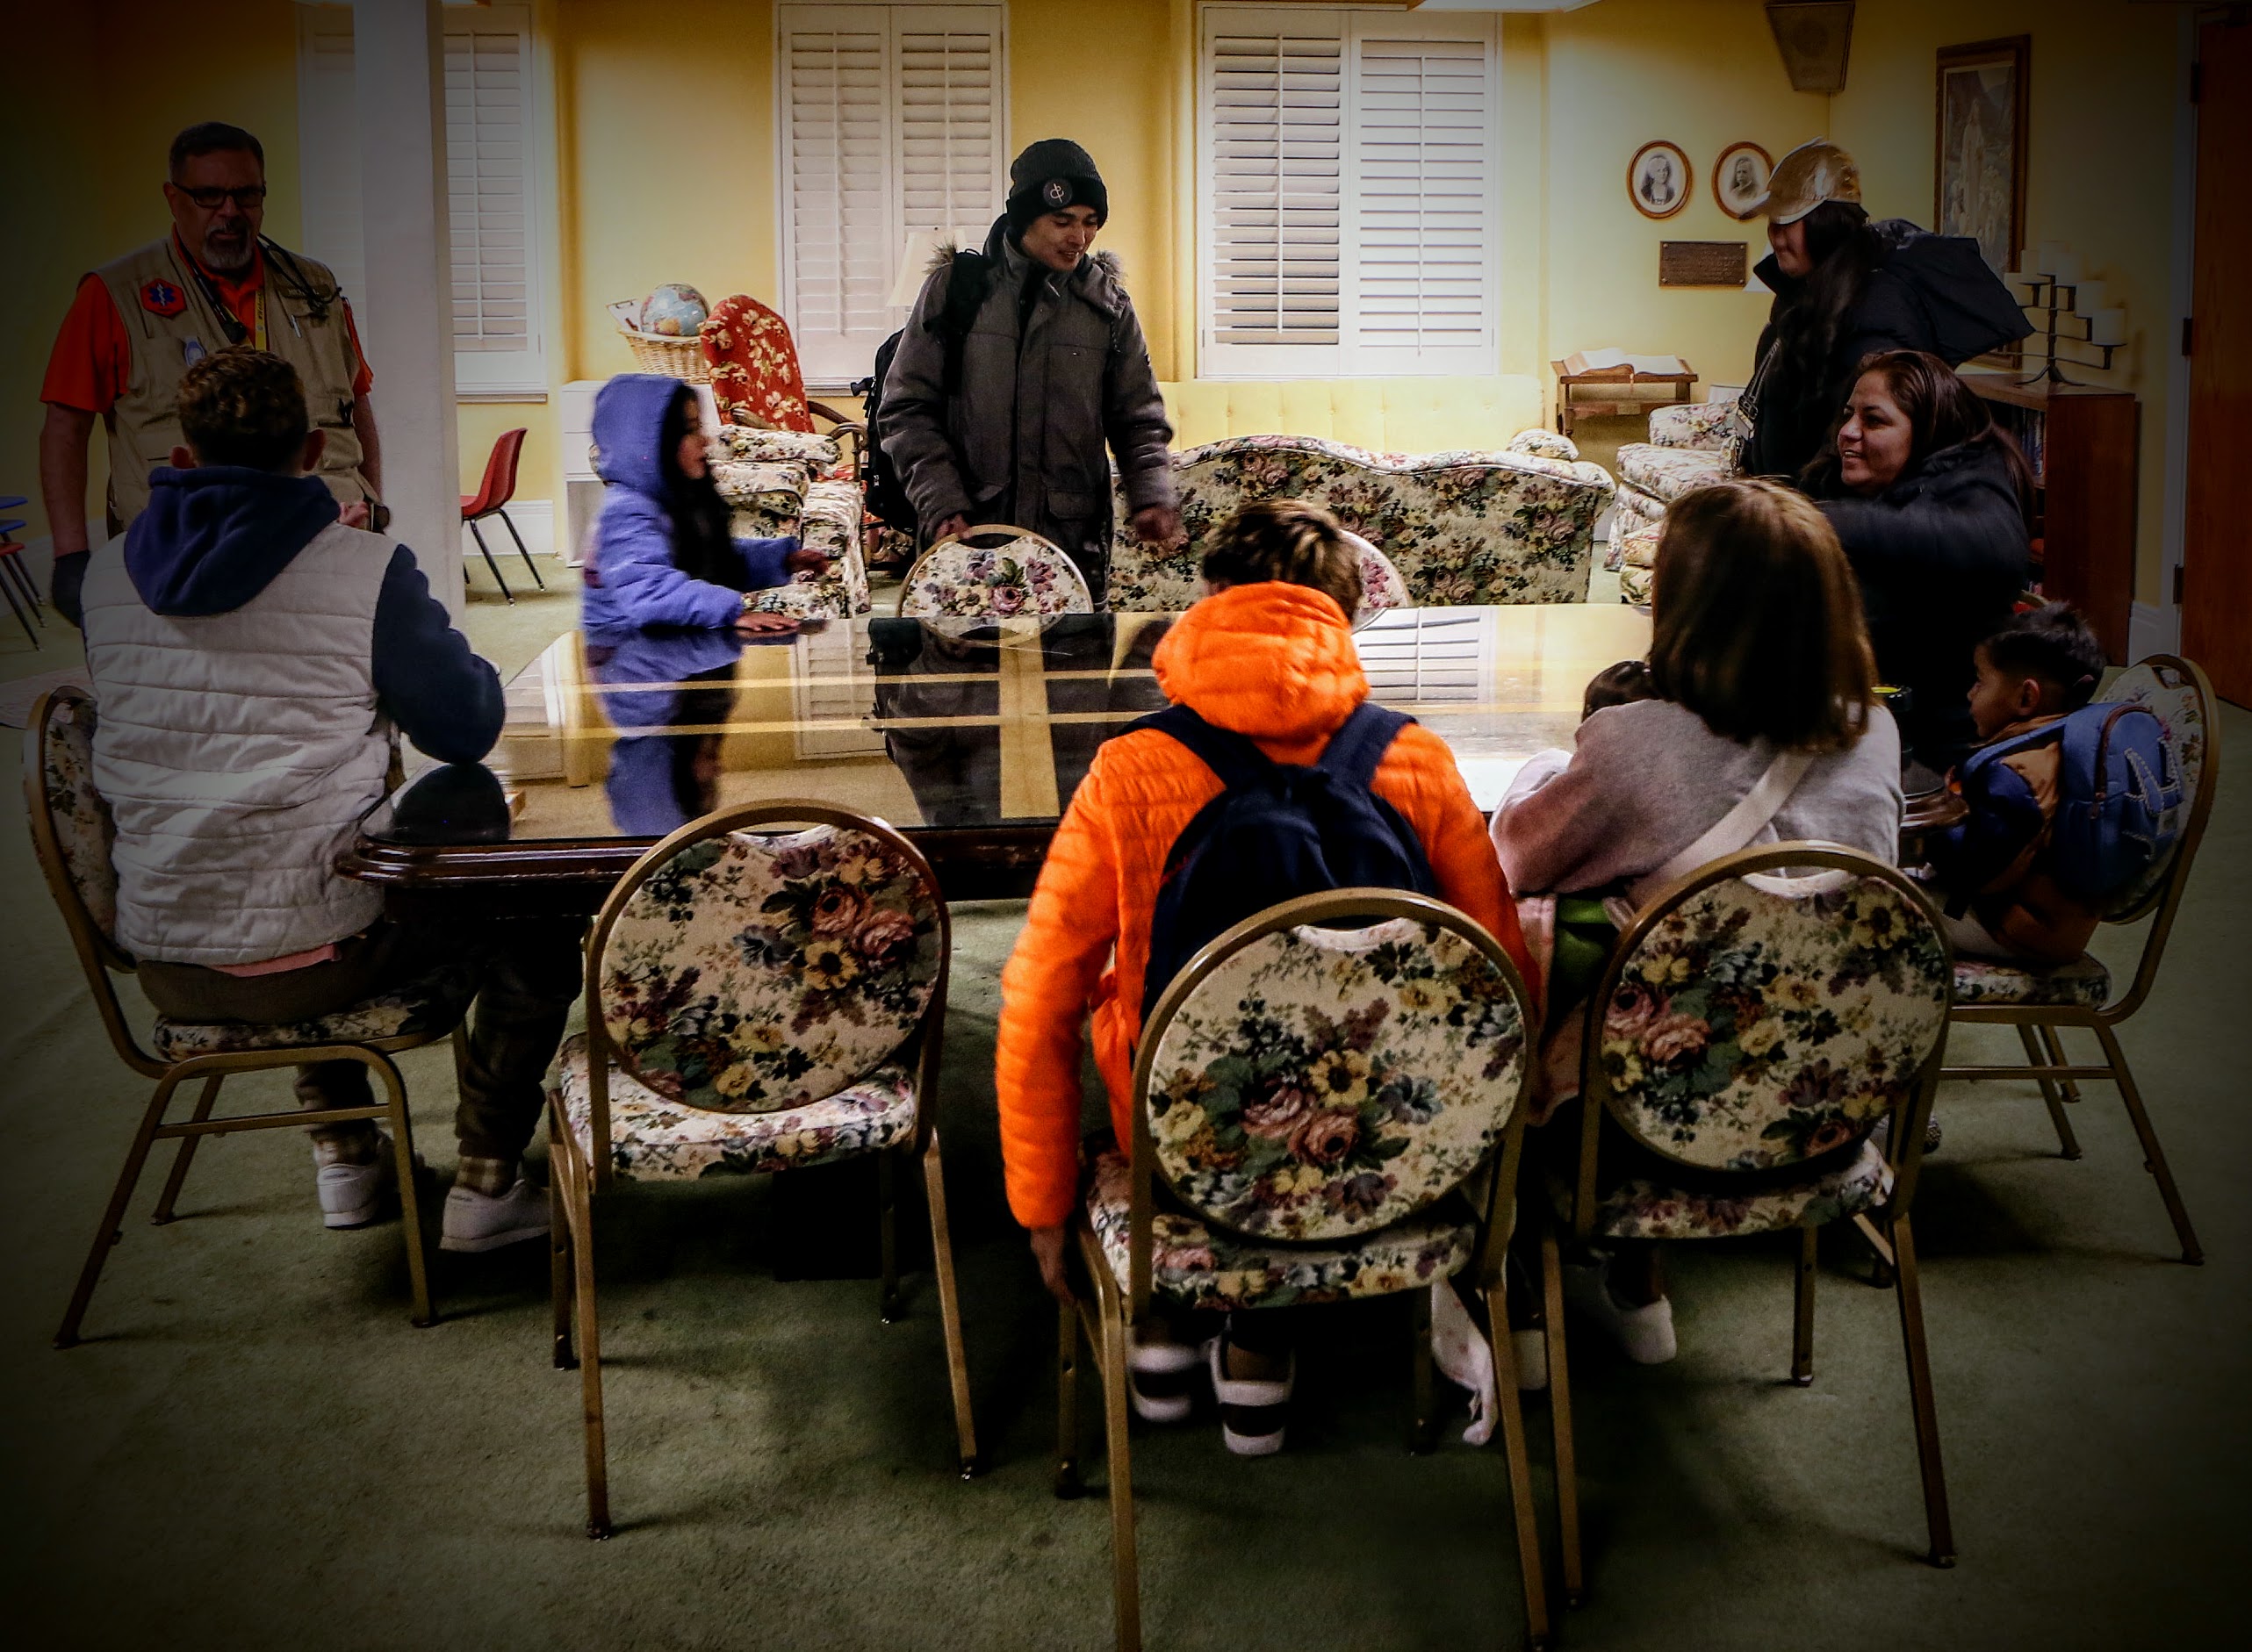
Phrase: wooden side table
x=1607 y=397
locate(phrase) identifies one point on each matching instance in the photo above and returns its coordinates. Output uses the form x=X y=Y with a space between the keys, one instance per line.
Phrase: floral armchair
x=1462 y=527
x=778 y=484
x=1690 y=445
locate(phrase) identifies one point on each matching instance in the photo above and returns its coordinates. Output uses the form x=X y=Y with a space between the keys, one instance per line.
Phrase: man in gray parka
x=1049 y=366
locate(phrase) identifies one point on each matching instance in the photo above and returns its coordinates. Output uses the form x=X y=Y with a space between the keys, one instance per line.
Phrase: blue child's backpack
x=2118 y=801
x=1277 y=832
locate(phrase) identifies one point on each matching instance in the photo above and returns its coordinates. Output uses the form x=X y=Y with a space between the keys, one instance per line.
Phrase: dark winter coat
x=1941 y=555
x=1933 y=293
x=1022 y=439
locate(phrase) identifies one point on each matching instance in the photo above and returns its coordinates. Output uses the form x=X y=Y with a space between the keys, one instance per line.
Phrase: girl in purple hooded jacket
x=663 y=553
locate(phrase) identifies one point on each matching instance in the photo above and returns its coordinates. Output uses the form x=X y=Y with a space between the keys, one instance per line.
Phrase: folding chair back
x=1022 y=575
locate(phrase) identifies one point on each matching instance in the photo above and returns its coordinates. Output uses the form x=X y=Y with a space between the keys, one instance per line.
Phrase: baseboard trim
x=2153 y=627
x=535 y=520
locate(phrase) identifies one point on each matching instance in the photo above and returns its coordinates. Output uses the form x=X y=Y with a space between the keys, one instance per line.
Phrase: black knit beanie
x=1051 y=176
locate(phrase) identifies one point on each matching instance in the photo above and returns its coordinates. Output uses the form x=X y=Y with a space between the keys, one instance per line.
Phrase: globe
x=675 y=310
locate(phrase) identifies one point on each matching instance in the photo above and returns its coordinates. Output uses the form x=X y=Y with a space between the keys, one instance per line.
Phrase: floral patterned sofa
x=1463 y=527
x=1689 y=446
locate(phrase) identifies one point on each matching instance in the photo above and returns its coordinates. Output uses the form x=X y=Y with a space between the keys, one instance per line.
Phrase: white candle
x=2089 y=296
x=2066 y=268
x=2107 y=326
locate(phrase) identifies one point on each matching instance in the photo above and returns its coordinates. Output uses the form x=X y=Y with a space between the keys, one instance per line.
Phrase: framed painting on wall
x=1658 y=180
x=1739 y=180
x=1980 y=171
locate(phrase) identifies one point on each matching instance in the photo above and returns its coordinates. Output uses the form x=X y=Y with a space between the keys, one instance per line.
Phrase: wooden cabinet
x=2083 y=443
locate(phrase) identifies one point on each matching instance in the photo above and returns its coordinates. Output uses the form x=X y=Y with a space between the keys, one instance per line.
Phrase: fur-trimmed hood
x=1099 y=280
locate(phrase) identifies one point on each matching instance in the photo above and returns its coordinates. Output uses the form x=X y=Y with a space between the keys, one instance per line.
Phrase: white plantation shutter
x=1348 y=223
x=891 y=123
x=488 y=146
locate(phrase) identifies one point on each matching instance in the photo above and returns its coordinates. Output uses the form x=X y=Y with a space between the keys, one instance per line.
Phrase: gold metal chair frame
x=100 y=958
x=573 y=1182
x=1105 y=1321
x=2039 y=1025
x=984 y=530
x=1896 y=1244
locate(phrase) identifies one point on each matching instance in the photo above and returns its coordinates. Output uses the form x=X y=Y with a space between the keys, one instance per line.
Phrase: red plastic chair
x=15 y=584
x=491 y=500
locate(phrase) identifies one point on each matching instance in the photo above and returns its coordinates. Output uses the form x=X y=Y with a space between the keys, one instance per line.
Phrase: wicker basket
x=680 y=358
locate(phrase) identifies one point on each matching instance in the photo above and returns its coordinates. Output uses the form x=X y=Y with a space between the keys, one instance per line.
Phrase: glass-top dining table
x=968 y=734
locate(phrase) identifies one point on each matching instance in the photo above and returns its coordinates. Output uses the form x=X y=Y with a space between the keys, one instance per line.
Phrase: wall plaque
x=1703 y=263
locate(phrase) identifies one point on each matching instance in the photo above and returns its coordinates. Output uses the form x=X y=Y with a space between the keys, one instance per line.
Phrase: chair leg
x=475 y=533
x=2153 y=1156
x=1909 y=1289
x=590 y=1355
x=410 y=1201
x=1559 y=1417
x=27 y=586
x=1126 y=1576
x=1802 y=1317
x=16 y=603
x=112 y=1228
x=186 y=1156
x=2053 y=1041
x=1423 y=1425
x=888 y=1231
x=559 y=1254
x=1066 y=1401
x=942 y=1264
x=1538 y=1633
x=530 y=566
x=2066 y=1143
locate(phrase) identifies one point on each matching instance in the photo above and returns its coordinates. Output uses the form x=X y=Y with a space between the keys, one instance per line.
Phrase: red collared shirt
x=91 y=364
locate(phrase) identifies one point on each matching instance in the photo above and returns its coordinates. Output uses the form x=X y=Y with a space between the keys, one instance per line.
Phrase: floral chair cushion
x=1751 y=1029
x=1667 y=473
x=1025 y=575
x=2171 y=696
x=1634 y=584
x=1712 y=424
x=425 y=1009
x=818 y=453
x=1547 y=444
x=2083 y=982
x=755 y=369
x=1198 y=1265
x=1321 y=1084
x=82 y=827
x=1642 y=1210
x=757 y=973
x=831 y=525
x=1462 y=527
x=653 y=1140
x=767 y=498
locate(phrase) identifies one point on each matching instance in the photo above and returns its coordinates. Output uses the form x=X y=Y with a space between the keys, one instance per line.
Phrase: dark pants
x=529 y=972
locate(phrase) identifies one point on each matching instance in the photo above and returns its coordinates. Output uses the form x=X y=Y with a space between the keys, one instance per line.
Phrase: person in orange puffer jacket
x=1269 y=653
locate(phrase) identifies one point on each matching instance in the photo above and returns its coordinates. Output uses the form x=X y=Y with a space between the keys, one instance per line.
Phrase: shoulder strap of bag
x=1741 y=825
x=1358 y=746
x=1234 y=758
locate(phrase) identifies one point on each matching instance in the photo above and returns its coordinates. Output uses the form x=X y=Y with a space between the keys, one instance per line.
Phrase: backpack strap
x=966 y=294
x=1360 y=742
x=1234 y=758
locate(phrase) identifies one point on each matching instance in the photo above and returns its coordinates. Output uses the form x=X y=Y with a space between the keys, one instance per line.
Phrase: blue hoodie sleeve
x=427 y=681
x=633 y=558
x=765 y=561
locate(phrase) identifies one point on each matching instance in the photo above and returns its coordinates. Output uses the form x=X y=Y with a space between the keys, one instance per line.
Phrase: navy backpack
x=2119 y=794
x=1278 y=830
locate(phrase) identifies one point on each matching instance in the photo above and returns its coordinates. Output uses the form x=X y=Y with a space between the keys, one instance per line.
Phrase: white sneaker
x=1252 y=1413
x=1161 y=1378
x=353 y=1196
x=1644 y=1334
x=484 y=1222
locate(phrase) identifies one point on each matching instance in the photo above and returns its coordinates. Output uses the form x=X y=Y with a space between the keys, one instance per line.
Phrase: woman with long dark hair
x=663 y=551
x=1932 y=502
x=1845 y=289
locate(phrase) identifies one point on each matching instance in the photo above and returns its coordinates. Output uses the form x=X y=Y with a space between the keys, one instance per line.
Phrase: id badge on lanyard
x=258 y=318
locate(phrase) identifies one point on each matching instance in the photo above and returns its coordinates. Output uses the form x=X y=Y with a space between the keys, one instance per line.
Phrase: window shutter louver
x=488 y=129
x=891 y=119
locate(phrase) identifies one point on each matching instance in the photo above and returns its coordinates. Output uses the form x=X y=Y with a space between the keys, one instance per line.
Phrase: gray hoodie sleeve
x=915 y=413
x=1134 y=420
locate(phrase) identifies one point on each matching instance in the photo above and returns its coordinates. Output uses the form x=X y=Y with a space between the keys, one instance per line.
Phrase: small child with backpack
x=2067 y=802
x=1261 y=674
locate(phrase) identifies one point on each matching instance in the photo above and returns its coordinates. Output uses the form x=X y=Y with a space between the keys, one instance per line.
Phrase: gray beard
x=225 y=265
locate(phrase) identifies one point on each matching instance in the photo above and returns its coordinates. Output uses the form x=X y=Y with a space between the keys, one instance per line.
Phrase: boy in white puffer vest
x=251 y=657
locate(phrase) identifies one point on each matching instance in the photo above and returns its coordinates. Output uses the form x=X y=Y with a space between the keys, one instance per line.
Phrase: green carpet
x=254 y=1450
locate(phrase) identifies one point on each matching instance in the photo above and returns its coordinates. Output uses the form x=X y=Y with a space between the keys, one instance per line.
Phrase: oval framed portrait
x=1739 y=179
x=1659 y=179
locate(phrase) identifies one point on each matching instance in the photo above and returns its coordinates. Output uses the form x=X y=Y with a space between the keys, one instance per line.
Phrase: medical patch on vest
x=1056 y=192
x=159 y=297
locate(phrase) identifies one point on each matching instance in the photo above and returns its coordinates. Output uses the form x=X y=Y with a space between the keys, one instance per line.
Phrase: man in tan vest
x=139 y=323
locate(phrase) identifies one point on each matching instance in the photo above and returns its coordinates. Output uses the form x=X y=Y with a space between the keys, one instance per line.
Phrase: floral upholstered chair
x=72 y=834
x=1312 y=1100
x=1690 y=445
x=765 y=991
x=1382 y=587
x=1009 y=572
x=755 y=375
x=1463 y=527
x=2041 y=1001
x=1748 y=1035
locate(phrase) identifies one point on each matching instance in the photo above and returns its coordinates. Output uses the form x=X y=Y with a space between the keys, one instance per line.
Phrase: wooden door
x=2217 y=559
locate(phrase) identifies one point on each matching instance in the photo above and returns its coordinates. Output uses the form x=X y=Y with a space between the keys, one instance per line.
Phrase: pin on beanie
x=1054 y=176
